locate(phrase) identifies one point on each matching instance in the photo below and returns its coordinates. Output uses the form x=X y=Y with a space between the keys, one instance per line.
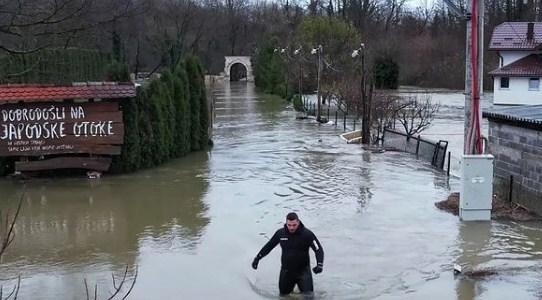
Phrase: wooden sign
x=35 y=129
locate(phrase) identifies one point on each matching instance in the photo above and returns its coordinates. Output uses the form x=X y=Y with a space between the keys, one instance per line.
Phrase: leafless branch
x=54 y=17
x=27 y=28
x=416 y=114
x=118 y=289
x=14 y=292
x=132 y=285
x=86 y=288
x=119 y=285
x=7 y=227
x=18 y=51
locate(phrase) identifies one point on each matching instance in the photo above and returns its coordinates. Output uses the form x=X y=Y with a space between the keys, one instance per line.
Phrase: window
x=534 y=84
x=505 y=82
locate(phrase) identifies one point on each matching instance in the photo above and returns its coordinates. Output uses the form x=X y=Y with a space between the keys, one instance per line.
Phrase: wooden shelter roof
x=45 y=93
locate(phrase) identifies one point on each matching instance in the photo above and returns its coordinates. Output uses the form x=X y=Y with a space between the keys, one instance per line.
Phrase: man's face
x=292 y=225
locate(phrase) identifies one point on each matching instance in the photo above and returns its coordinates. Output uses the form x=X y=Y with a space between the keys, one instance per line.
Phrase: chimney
x=530 y=31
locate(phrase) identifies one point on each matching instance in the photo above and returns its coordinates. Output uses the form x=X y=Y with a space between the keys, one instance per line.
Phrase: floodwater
x=192 y=226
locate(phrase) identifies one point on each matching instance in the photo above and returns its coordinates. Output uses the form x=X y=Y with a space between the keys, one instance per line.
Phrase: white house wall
x=509 y=57
x=517 y=94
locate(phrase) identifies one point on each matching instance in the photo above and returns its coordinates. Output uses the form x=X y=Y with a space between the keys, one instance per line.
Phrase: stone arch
x=232 y=60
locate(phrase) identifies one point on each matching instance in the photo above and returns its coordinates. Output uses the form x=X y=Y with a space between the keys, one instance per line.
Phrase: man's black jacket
x=295 y=248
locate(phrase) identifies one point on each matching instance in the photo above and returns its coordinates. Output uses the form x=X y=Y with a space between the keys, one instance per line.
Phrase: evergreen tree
x=269 y=69
x=204 y=108
x=146 y=134
x=386 y=72
x=195 y=95
x=186 y=108
x=130 y=158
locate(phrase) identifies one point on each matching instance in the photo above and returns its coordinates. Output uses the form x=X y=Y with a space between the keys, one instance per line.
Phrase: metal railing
x=339 y=115
x=431 y=151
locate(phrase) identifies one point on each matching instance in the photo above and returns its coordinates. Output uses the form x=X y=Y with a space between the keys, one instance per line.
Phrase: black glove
x=255 y=263
x=318 y=269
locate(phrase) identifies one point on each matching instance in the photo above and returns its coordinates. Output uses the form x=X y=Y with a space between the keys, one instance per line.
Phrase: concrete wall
x=517 y=94
x=232 y=60
x=518 y=153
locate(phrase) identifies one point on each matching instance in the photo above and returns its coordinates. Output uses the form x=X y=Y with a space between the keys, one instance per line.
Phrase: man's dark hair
x=292 y=216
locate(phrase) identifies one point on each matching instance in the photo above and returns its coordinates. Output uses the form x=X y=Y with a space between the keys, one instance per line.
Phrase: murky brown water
x=193 y=225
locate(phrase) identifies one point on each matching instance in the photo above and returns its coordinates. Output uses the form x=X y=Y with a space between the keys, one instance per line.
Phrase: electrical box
x=476 y=196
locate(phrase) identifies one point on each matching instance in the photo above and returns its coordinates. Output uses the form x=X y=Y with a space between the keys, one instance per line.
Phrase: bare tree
x=385 y=106
x=29 y=26
x=416 y=113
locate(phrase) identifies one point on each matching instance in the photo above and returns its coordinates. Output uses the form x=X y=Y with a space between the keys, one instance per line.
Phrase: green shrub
x=298 y=103
x=386 y=72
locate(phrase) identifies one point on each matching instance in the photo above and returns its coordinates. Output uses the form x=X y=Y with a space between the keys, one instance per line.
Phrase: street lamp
x=281 y=52
x=300 y=87
x=318 y=50
x=365 y=105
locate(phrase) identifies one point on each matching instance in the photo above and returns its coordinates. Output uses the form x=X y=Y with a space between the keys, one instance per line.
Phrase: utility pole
x=318 y=74
x=476 y=194
x=365 y=126
x=473 y=73
x=300 y=87
x=473 y=135
x=287 y=59
x=468 y=86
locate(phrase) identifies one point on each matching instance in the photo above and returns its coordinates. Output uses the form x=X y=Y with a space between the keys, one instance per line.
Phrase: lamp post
x=318 y=50
x=283 y=53
x=300 y=87
x=365 y=106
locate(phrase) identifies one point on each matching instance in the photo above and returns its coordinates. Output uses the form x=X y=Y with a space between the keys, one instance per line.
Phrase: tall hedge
x=183 y=110
x=167 y=119
x=195 y=103
x=203 y=108
x=130 y=158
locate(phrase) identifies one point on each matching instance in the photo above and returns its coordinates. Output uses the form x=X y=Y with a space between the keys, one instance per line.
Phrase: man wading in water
x=295 y=241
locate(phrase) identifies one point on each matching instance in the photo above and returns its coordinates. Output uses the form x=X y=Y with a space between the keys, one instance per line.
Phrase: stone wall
x=518 y=159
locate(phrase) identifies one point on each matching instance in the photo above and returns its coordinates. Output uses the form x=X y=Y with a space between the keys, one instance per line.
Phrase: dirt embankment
x=501 y=210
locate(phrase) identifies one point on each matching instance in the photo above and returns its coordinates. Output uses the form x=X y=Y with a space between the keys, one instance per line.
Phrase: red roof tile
x=528 y=66
x=37 y=93
x=513 y=36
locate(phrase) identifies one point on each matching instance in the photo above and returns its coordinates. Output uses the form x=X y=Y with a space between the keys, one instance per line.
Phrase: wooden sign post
x=58 y=135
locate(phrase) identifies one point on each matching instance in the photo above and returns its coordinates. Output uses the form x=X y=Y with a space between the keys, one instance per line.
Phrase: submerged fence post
x=336 y=117
x=344 y=122
x=328 y=113
x=417 y=146
x=511 y=189
x=449 y=159
x=354 y=125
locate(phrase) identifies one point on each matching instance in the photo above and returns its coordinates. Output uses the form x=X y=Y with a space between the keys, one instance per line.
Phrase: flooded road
x=192 y=226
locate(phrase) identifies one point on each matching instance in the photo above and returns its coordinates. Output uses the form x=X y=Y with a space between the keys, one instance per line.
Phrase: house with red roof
x=517 y=79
